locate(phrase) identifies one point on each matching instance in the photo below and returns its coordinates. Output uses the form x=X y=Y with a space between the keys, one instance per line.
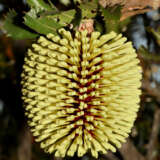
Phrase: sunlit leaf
x=49 y=23
x=42 y=25
x=63 y=18
x=39 y=4
x=88 y=9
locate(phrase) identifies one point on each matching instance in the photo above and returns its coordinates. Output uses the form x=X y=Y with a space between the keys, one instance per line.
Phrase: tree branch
x=154 y=135
x=110 y=156
x=25 y=146
x=129 y=152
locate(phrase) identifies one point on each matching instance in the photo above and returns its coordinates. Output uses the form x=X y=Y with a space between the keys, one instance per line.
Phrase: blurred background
x=17 y=143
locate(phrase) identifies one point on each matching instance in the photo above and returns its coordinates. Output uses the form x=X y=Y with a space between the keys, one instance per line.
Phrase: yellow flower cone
x=81 y=93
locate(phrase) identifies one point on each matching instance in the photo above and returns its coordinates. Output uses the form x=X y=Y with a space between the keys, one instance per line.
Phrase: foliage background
x=16 y=142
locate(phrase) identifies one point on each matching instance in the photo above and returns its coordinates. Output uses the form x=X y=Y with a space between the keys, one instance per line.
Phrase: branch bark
x=129 y=152
x=25 y=146
x=154 y=136
x=110 y=156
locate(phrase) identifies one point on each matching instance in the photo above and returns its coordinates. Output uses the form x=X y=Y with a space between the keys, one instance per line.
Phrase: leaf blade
x=64 y=18
x=40 y=4
x=112 y=18
x=42 y=25
x=15 y=31
x=88 y=9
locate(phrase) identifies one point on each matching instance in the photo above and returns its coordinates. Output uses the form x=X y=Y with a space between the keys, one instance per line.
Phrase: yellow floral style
x=81 y=94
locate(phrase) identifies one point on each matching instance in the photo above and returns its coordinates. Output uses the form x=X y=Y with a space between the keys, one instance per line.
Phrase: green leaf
x=125 y=23
x=39 y=4
x=112 y=18
x=63 y=18
x=15 y=31
x=49 y=23
x=144 y=52
x=156 y=34
x=39 y=7
x=42 y=25
x=88 y=9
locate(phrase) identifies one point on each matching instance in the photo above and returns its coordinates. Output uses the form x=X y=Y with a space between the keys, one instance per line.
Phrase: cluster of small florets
x=81 y=93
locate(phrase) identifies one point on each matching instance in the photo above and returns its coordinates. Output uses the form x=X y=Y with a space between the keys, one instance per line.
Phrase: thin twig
x=154 y=136
x=25 y=146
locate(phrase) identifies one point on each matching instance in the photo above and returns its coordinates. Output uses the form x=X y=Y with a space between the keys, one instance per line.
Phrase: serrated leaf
x=39 y=4
x=42 y=25
x=63 y=18
x=112 y=13
x=15 y=31
x=39 y=7
x=88 y=9
x=112 y=18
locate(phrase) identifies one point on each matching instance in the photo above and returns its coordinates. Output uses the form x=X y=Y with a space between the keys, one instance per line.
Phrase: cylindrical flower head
x=81 y=93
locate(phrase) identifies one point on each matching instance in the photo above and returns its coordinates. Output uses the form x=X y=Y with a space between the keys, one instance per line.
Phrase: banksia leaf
x=81 y=93
x=88 y=9
x=112 y=18
x=42 y=25
x=40 y=5
x=49 y=24
x=63 y=18
x=14 y=30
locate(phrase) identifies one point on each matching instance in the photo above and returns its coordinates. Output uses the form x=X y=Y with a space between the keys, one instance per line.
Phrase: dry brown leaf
x=111 y=3
x=132 y=7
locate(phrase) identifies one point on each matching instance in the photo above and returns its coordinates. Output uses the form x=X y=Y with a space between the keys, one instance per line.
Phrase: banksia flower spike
x=81 y=93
